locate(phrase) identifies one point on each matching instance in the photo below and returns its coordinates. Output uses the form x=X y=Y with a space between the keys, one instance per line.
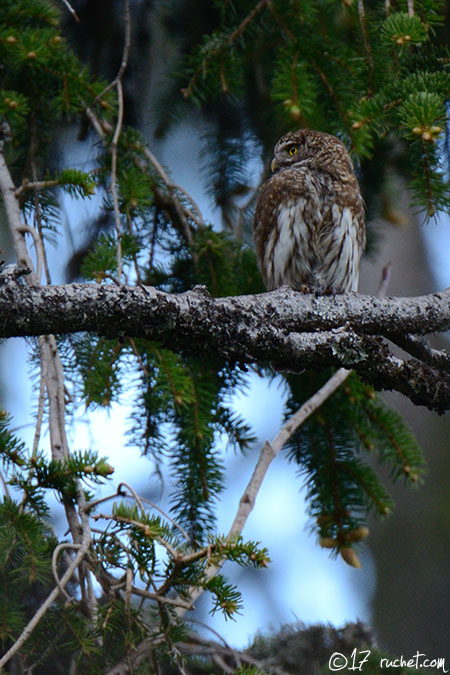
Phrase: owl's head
x=312 y=149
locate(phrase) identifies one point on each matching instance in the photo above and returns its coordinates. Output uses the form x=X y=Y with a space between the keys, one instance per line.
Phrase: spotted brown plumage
x=309 y=225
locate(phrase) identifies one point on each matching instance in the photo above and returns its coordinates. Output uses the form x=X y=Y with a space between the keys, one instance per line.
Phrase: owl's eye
x=293 y=149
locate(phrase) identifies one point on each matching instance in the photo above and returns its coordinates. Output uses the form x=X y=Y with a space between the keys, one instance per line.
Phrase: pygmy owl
x=309 y=221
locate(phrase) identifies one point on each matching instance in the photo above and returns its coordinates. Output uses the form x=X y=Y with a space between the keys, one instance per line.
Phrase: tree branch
x=290 y=330
x=149 y=312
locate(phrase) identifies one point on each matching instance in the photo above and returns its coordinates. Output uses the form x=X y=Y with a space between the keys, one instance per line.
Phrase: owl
x=309 y=225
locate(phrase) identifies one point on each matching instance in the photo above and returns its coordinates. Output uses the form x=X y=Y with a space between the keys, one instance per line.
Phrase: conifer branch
x=187 y=91
x=36 y=185
x=285 y=329
x=48 y=602
x=176 y=602
x=290 y=330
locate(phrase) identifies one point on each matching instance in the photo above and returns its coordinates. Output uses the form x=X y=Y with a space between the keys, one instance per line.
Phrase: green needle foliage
x=332 y=449
x=378 y=82
x=343 y=67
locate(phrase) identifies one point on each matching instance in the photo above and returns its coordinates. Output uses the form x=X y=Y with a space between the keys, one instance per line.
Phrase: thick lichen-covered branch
x=287 y=329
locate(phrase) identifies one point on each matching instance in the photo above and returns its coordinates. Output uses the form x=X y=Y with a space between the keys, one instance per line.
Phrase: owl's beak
x=273 y=166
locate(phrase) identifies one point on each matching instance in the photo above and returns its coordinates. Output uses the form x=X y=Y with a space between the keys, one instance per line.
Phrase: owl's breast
x=292 y=242
x=309 y=218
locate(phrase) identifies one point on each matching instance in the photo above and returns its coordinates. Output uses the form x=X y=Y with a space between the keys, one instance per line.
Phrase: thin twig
x=366 y=40
x=125 y=53
x=71 y=10
x=176 y=602
x=40 y=414
x=194 y=215
x=135 y=495
x=38 y=221
x=128 y=591
x=39 y=420
x=117 y=83
x=113 y=186
x=167 y=517
x=36 y=185
x=283 y=25
x=95 y=502
x=5 y=485
x=271 y=450
x=132 y=233
x=384 y=281
x=418 y=348
x=138 y=356
x=101 y=127
x=27 y=229
x=56 y=552
x=89 y=594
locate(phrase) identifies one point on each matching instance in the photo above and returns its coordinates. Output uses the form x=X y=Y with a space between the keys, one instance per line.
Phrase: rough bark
x=290 y=330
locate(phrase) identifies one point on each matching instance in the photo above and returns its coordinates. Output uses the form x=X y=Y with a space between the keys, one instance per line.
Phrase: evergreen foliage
x=342 y=67
x=368 y=77
x=330 y=449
